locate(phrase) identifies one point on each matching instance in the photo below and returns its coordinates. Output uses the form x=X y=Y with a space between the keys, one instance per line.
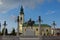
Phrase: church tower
x=21 y=19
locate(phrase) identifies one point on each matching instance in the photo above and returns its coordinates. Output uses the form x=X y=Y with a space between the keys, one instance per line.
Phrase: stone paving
x=30 y=38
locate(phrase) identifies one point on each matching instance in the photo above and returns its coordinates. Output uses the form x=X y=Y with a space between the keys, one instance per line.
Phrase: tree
x=0 y=28
x=2 y=31
x=13 y=32
x=6 y=31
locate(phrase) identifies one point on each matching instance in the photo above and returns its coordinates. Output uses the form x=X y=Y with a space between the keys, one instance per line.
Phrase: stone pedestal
x=29 y=32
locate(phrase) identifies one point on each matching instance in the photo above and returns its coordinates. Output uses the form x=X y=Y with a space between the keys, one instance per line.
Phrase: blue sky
x=49 y=10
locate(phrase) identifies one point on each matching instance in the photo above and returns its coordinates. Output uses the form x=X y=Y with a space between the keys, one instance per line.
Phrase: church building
x=34 y=31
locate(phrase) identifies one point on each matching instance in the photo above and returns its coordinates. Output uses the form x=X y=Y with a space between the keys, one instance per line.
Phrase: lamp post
x=18 y=26
x=4 y=27
x=54 y=24
x=39 y=25
x=39 y=19
x=0 y=27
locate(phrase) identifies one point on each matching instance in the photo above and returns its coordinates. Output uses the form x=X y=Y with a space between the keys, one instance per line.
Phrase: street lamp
x=54 y=24
x=4 y=27
x=39 y=19
x=18 y=26
x=0 y=27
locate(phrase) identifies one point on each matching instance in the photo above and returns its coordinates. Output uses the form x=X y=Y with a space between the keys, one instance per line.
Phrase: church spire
x=21 y=10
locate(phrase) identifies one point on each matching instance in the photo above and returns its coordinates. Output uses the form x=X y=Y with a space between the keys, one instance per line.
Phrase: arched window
x=37 y=29
x=21 y=18
x=47 y=30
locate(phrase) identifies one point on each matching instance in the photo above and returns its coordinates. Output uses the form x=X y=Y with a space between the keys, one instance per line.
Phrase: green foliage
x=13 y=32
x=0 y=33
x=6 y=31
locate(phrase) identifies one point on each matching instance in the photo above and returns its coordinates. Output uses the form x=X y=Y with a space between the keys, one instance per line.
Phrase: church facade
x=28 y=31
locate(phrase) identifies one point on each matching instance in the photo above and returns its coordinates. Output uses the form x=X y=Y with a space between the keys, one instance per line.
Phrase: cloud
x=1 y=2
x=58 y=0
x=49 y=1
x=31 y=3
x=13 y=17
x=50 y=12
x=7 y=5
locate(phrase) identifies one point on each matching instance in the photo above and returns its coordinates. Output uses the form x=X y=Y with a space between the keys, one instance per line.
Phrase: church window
x=47 y=30
x=37 y=29
x=21 y=18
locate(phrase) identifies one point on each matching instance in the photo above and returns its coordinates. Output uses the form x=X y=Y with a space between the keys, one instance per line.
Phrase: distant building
x=45 y=28
x=57 y=31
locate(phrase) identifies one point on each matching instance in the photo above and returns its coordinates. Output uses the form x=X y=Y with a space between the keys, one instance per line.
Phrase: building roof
x=56 y=28
x=37 y=25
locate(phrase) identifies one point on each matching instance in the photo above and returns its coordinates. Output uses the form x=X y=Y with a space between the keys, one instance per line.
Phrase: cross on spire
x=4 y=23
x=21 y=10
